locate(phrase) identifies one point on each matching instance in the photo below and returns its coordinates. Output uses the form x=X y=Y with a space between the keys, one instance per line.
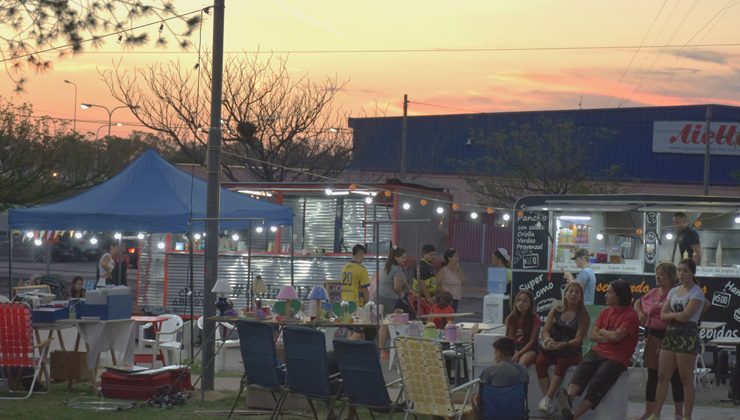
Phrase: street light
x=74 y=123
x=109 y=111
x=97 y=132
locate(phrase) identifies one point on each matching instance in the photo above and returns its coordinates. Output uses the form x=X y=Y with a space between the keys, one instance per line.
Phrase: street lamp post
x=74 y=121
x=109 y=111
x=97 y=132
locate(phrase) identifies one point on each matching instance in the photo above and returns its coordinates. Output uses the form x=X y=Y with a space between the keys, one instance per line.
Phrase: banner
x=689 y=137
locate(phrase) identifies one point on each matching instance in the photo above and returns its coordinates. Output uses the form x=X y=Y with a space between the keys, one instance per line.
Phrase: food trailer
x=328 y=222
x=627 y=236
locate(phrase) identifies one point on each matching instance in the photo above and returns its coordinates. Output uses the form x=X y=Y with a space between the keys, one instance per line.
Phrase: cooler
x=483 y=355
x=146 y=384
x=493 y=308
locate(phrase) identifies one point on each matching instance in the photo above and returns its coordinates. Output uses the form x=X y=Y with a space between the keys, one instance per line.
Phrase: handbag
x=652 y=351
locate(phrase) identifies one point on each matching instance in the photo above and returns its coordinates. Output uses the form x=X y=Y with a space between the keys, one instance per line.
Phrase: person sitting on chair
x=504 y=372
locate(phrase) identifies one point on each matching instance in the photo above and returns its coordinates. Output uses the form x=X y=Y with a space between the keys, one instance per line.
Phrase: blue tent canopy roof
x=150 y=195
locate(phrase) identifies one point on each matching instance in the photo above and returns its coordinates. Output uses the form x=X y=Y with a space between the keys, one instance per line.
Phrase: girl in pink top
x=648 y=310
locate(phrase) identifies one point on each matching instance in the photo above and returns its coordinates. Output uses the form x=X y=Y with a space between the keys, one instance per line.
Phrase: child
x=442 y=306
x=523 y=326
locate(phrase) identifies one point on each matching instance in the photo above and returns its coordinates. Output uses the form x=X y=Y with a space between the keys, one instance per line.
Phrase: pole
x=404 y=136
x=707 y=138
x=10 y=263
x=110 y=120
x=250 y=283
x=212 y=193
x=74 y=121
x=191 y=285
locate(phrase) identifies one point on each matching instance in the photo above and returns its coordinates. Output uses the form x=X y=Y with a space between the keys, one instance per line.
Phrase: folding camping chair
x=362 y=378
x=17 y=349
x=308 y=367
x=425 y=381
x=503 y=402
x=261 y=367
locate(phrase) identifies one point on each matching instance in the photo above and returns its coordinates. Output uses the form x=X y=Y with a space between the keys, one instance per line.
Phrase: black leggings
x=652 y=385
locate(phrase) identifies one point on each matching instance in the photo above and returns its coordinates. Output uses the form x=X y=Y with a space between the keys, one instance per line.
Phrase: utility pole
x=213 y=196
x=707 y=138
x=404 y=137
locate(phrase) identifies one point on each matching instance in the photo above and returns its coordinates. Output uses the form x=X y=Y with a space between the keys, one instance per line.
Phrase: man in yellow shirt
x=356 y=284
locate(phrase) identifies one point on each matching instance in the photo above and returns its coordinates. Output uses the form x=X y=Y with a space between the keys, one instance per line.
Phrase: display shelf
x=571 y=244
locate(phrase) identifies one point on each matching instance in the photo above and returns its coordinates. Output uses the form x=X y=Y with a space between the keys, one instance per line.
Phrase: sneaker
x=545 y=405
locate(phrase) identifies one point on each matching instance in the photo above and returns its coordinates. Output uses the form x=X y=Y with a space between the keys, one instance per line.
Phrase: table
x=708 y=325
x=731 y=341
x=482 y=326
x=452 y=315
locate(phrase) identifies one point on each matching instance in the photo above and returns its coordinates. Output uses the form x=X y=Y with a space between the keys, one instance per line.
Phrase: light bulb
x=368 y=200
x=29 y=234
x=235 y=237
x=37 y=241
x=160 y=245
x=406 y=206
x=506 y=217
x=599 y=236
x=117 y=235
x=94 y=240
x=259 y=229
x=474 y=215
x=737 y=219
x=273 y=228
x=440 y=210
x=327 y=191
x=669 y=236
x=140 y=236
x=197 y=236
x=78 y=235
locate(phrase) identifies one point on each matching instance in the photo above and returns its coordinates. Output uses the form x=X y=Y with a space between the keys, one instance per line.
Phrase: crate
x=49 y=314
x=69 y=365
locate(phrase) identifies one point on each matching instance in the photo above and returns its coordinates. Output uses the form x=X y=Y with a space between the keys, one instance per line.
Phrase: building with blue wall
x=640 y=142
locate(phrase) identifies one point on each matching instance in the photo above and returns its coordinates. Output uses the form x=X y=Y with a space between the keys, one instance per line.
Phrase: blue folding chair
x=362 y=378
x=503 y=402
x=308 y=368
x=261 y=367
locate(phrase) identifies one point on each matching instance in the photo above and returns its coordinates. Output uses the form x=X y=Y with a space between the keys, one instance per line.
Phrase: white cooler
x=483 y=355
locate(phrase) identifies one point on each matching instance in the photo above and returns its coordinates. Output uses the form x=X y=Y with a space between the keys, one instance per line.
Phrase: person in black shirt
x=687 y=238
x=428 y=285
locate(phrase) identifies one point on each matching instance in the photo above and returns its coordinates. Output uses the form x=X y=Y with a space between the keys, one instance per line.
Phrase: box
x=118 y=307
x=49 y=314
x=69 y=365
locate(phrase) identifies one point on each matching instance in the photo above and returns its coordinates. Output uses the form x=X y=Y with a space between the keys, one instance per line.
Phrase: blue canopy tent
x=150 y=195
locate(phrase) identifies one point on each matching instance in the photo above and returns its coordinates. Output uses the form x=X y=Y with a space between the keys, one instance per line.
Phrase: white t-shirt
x=679 y=303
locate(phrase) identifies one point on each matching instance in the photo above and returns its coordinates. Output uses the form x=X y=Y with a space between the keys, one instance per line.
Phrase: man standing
x=586 y=277
x=356 y=284
x=427 y=287
x=687 y=238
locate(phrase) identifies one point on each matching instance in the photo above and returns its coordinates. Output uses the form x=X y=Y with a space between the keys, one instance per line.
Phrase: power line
x=445 y=107
x=408 y=51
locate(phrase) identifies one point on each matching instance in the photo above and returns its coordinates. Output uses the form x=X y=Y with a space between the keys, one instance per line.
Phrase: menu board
x=531 y=243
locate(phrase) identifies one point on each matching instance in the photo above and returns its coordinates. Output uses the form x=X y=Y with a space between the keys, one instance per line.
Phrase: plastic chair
x=425 y=384
x=308 y=367
x=261 y=367
x=222 y=345
x=503 y=402
x=701 y=372
x=362 y=378
x=17 y=348
x=165 y=341
x=395 y=330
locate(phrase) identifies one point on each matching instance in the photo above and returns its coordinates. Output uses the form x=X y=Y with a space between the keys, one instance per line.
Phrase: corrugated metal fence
x=475 y=240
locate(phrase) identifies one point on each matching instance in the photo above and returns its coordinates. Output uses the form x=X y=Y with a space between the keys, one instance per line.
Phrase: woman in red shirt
x=523 y=325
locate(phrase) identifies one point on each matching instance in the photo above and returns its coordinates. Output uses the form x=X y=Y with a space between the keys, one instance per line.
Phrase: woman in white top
x=450 y=277
x=681 y=311
x=106 y=265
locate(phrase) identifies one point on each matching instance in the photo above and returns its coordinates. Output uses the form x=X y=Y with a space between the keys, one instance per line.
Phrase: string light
x=140 y=236
x=259 y=229
x=368 y=200
x=37 y=241
x=235 y=237
x=273 y=229
x=406 y=206
x=197 y=236
x=669 y=236
x=29 y=234
x=506 y=217
x=473 y=215
x=94 y=240
x=423 y=202
x=440 y=210
x=78 y=235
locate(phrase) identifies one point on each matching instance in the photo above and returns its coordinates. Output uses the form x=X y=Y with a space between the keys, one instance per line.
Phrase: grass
x=58 y=404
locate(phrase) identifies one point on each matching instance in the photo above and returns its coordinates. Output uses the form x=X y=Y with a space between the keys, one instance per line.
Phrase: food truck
x=328 y=221
x=627 y=236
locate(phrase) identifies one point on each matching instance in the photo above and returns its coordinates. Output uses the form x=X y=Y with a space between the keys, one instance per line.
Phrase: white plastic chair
x=701 y=372
x=395 y=330
x=166 y=340
x=227 y=343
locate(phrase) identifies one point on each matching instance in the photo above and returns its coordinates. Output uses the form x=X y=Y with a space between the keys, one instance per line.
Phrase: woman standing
x=450 y=277
x=394 y=287
x=562 y=338
x=106 y=265
x=501 y=259
x=681 y=311
x=649 y=308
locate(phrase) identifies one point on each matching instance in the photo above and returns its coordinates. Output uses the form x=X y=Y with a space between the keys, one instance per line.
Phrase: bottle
x=72 y=310
x=450 y=332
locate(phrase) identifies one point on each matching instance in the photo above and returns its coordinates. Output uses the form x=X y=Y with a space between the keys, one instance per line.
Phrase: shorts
x=682 y=338
x=599 y=373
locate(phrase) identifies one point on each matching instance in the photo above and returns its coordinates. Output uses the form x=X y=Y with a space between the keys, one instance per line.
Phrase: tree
x=40 y=162
x=275 y=127
x=547 y=157
x=30 y=28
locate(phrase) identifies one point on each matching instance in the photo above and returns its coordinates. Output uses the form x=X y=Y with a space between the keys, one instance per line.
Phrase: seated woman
x=78 y=291
x=616 y=332
x=442 y=306
x=562 y=337
x=523 y=326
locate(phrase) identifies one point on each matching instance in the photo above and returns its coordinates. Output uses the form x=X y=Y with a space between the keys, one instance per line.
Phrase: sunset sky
x=454 y=58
